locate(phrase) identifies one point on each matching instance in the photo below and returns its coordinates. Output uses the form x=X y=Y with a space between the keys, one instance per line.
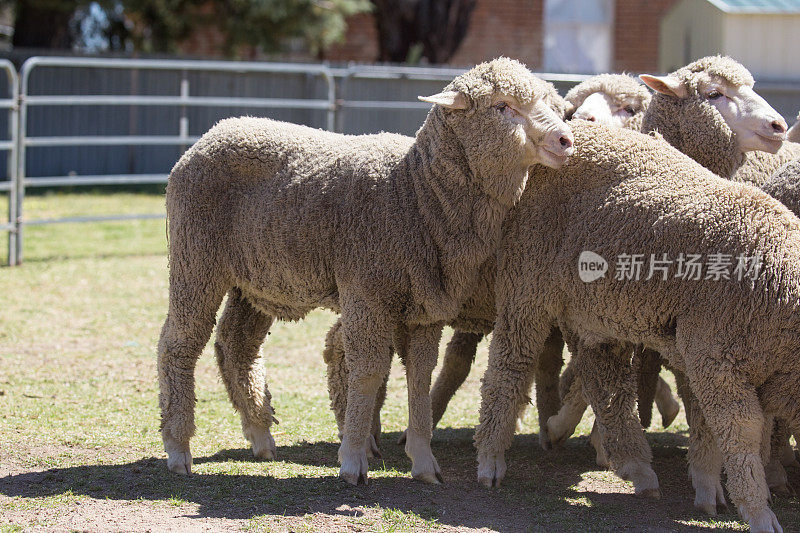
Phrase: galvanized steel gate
x=94 y=121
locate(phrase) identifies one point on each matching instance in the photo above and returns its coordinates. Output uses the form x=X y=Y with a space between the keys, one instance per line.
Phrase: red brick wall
x=497 y=27
x=361 y=41
x=510 y=28
x=636 y=33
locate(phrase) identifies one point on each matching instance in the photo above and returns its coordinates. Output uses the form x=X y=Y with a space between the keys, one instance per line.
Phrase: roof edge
x=726 y=8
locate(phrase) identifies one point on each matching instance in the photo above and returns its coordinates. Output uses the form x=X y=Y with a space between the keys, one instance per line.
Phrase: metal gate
x=126 y=121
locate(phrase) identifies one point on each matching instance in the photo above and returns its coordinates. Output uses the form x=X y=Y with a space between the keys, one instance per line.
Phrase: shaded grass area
x=79 y=441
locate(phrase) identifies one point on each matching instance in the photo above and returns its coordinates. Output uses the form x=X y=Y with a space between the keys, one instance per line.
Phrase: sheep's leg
x=517 y=342
x=647 y=383
x=240 y=332
x=193 y=305
x=666 y=403
x=458 y=359
x=562 y=425
x=547 y=370
x=596 y=438
x=736 y=420
x=423 y=350
x=333 y=355
x=705 y=461
x=368 y=356
x=777 y=440
x=610 y=383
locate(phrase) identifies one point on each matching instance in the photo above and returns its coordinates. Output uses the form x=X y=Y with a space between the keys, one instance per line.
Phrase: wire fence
x=94 y=121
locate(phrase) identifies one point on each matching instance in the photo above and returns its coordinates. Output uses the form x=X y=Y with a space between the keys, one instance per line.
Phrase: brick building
x=548 y=35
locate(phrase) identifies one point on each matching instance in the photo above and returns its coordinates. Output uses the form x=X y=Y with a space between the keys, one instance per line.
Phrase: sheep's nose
x=565 y=141
x=779 y=126
x=590 y=118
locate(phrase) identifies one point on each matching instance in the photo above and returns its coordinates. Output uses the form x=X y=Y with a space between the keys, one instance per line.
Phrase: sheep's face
x=533 y=131
x=754 y=124
x=506 y=117
x=614 y=100
x=608 y=110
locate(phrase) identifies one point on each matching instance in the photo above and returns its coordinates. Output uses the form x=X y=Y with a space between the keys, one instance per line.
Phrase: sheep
x=735 y=340
x=794 y=132
x=387 y=230
x=709 y=111
x=616 y=100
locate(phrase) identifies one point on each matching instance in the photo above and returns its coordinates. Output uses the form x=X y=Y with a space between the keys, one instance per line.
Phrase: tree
x=42 y=23
x=412 y=29
x=160 y=25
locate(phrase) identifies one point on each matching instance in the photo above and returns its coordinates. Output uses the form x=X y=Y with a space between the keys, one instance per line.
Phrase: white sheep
x=615 y=100
x=388 y=230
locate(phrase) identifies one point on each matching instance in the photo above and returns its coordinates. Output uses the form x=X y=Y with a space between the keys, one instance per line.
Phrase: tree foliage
x=160 y=25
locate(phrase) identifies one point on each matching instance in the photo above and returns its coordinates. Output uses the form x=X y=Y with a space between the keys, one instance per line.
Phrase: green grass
x=79 y=440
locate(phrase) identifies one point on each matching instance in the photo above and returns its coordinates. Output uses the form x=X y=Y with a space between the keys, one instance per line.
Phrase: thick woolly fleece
x=696 y=128
x=623 y=89
x=736 y=341
x=785 y=186
x=388 y=230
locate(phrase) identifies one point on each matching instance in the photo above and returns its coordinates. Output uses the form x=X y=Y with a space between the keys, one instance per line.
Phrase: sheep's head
x=615 y=100
x=500 y=110
x=719 y=89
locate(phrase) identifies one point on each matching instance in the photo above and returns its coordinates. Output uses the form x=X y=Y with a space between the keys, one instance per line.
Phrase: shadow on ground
x=542 y=490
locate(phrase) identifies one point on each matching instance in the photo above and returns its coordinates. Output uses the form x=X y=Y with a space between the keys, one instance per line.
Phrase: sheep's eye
x=501 y=106
x=630 y=110
x=713 y=95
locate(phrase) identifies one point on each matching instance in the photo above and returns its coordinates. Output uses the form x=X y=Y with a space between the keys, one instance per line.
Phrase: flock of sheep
x=480 y=222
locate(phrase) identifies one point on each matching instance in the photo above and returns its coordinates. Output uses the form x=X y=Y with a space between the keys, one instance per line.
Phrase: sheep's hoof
x=654 y=494
x=553 y=438
x=179 y=462
x=434 y=478
x=354 y=464
x=262 y=442
x=763 y=521
x=708 y=495
x=179 y=457
x=426 y=469
x=707 y=507
x=402 y=438
x=373 y=452
x=491 y=469
x=645 y=481
x=354 y=479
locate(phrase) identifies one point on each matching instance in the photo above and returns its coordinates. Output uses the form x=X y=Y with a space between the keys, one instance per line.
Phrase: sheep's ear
x=448 y=99
x=665 y=85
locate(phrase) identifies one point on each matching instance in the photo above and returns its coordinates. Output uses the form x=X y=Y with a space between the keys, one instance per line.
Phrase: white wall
x=768 y=45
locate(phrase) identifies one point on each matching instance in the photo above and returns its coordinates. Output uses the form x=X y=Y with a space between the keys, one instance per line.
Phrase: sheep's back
x=625 y=193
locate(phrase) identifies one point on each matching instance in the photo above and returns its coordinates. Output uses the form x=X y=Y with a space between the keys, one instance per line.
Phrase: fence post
x=331 y=113
x=21 y=138
x=13 y=216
